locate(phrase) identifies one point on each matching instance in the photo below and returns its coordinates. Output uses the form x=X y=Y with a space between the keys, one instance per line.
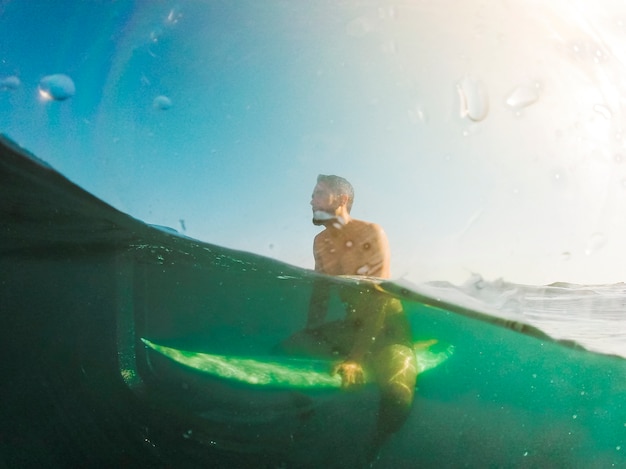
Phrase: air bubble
x=473 y=99
x=10 y=83
x=521 y=97
x=57 y=87
x=163 y=103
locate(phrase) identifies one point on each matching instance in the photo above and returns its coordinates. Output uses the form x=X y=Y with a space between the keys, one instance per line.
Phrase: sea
x=589 y=315
x=522 y=376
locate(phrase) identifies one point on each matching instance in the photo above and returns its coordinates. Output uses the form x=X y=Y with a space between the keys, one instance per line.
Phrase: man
x=374 y=341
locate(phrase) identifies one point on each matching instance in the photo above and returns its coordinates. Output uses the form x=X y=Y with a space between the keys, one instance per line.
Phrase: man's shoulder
x=368 y=226
x=319 y=237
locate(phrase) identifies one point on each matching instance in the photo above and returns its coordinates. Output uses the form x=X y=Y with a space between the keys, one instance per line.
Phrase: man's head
x=332 y=199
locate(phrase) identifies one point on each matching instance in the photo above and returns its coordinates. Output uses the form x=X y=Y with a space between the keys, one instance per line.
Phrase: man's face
x=324 y=204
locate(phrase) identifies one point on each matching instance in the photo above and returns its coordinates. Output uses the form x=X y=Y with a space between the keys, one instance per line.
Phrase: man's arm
x=380 y=254
x=318 y=305
x=373 y=317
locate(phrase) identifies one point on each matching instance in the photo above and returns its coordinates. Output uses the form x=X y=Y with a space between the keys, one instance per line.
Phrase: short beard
x=321 y=217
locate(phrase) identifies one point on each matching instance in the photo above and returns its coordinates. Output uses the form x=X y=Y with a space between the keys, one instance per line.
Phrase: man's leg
x=396 y=374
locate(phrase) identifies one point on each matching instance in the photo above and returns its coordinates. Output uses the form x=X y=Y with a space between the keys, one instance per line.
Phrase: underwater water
x=85 y=290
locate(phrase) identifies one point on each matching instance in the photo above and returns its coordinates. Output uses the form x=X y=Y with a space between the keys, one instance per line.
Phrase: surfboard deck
x=279 y=371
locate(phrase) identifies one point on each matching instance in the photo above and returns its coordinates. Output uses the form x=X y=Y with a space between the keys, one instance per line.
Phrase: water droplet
x=390 y=47
x=162 y=103
x=599 y=56
x=156 y=35
x=595 y=242
x=386 y=12
x=348 y=244
x=173 y=16
x=473 y=99
x=9 y=83
x=57 y=87
x=417 y=115
x=522 y=96
x=566 y=256
x=603 y=110
x=358 y=27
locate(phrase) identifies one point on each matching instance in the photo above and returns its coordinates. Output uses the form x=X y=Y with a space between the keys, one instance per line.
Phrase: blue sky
x=266 y=95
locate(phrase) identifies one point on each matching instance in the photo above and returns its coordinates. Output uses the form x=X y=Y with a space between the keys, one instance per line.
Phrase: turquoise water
x=82 y=284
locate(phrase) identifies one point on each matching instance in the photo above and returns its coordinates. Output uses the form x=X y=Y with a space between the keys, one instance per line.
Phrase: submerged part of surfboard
x=279 y=372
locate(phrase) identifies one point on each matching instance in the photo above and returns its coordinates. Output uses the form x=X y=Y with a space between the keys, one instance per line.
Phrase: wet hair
x=338 y=186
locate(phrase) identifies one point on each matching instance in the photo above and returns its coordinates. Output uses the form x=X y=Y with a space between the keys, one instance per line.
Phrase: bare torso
x=356 y=248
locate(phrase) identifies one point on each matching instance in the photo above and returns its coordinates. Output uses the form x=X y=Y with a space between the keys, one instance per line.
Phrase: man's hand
x=351 y=373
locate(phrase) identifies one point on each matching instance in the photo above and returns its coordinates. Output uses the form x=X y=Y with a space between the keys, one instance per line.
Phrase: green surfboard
x=279 y=371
